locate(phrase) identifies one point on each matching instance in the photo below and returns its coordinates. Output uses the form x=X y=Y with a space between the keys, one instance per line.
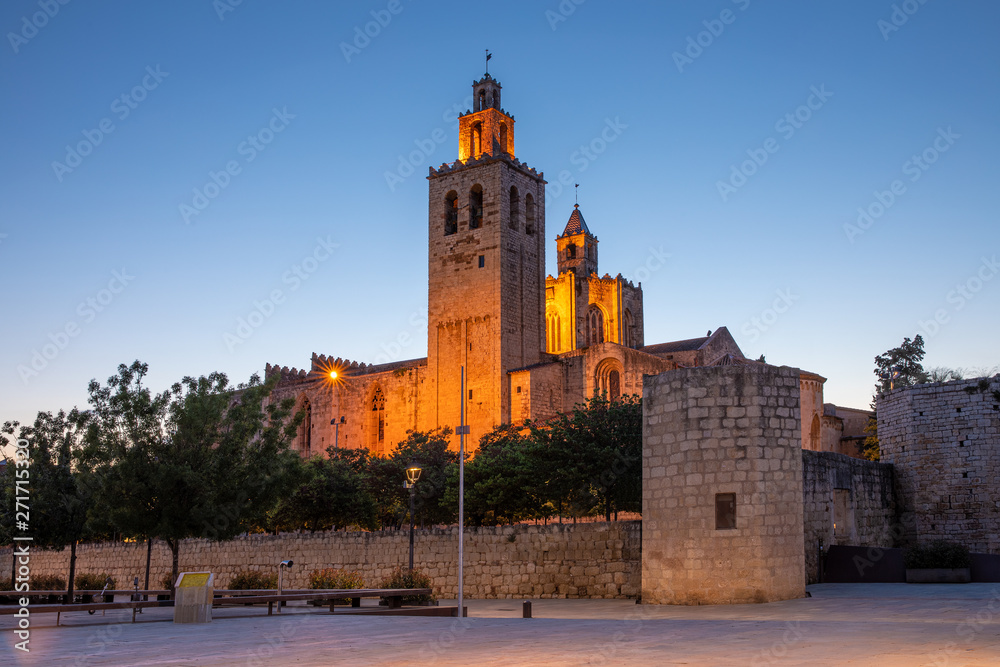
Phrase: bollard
x=526 y=609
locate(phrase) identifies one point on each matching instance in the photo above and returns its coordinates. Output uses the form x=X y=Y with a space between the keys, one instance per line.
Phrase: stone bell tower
x=486 y=282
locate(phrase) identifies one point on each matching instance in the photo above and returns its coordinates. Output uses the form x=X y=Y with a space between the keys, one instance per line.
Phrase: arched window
x=515 y=207
x=476 y=207
x=482 y=99
x=529 y=214
x=553 y=334
x=503 y=138
x=571 y=251
x=376 y=434
x=815 y=443
x=450 y=213
x=476 y=140
x=608 y=379
x=305 y=429
x=595 y=326
x=628 y=337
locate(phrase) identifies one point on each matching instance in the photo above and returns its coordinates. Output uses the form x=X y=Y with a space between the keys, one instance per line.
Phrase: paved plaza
x=841 y=624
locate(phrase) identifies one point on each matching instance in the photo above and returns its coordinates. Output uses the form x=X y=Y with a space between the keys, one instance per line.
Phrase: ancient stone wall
x=586 y=560
x=945 y=445
x=847 y=501
x=722 y=506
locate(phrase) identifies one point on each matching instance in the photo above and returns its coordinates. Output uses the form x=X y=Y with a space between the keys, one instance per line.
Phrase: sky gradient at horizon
x=746 y=137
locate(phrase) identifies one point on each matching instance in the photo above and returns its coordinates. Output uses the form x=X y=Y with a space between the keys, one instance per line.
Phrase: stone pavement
x=841 y=624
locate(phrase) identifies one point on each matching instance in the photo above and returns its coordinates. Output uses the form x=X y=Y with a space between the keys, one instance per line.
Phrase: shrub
x=48 y=582
x=938 y=554
x=247 y=580
x=402 y=577
x=335 y=578
x=91 y=581
x=166 y=582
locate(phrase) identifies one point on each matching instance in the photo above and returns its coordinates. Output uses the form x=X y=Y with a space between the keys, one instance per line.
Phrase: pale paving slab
x=883 y=624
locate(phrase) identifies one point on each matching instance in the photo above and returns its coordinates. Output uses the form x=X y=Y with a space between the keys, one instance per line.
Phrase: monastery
x=532 y=345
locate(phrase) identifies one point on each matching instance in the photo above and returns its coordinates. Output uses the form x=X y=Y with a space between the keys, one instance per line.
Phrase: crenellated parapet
x=321 y=363
x=458 y=165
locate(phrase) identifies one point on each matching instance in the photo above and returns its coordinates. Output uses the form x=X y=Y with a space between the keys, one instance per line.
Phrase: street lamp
x=336 y=424
x=412 y=475
x=281 y=568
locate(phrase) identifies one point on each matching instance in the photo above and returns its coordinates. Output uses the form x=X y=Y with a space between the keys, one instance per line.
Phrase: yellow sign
x=194 y=580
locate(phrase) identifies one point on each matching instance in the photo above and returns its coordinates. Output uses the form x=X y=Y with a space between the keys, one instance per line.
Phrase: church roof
x=688 y=345
x=576 y=224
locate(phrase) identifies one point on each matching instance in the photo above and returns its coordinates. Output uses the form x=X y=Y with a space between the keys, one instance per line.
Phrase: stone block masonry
x=848 y=501
x=722 y=486
x=586 y=560
x=944 y=443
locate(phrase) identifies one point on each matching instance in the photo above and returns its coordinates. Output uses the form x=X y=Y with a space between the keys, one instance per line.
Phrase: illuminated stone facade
x=532 y=345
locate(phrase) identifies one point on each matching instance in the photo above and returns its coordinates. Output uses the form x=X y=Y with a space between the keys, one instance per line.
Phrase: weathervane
x=577 y=194
x=488 y=56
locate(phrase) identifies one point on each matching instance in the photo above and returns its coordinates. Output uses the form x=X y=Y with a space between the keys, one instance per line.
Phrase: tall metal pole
x=461 y=495
x=411 y=527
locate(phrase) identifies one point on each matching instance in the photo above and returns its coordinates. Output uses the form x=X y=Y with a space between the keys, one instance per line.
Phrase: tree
x=59 y=489
x=202 y=459
x=500 y=482
x=331 y=494
x=898 y=367
x=595 y=456
x=430 y=450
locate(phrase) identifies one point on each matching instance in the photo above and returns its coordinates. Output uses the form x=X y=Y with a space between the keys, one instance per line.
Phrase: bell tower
x=486 y=270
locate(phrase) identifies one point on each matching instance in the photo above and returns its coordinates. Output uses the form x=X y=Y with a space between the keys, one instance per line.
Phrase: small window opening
x=529 y=214
x=482 y=261
x=470 y=394
x=725 y=511
x=476 y=207
x=519 y=390
x=450 y=213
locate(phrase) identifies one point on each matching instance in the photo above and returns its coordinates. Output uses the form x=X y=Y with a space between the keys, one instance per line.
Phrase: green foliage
x=334 y=578
x=591 y=460
x=501 y=484
x=47 y=582
x=248 y=580
x=204 y=459
x=430 y=450
x=898 y=367
x=402 y=577
x=331 y=493
x=92 y=581
x=939 y=554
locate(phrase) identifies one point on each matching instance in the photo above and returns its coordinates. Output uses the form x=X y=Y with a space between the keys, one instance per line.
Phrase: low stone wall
x=586 y=560
x=847 y=501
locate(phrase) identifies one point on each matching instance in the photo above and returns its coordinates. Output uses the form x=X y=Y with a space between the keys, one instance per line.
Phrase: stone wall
x=709 y=433
x=586 y=560
x=945 y=445
x=847 y=501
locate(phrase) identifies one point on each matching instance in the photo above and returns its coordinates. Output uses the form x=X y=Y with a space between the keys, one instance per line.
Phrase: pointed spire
x=576 y=223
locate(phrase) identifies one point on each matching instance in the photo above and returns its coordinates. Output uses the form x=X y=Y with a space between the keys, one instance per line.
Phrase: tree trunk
x=149 y=554
x=175 y=547
x=72 y=572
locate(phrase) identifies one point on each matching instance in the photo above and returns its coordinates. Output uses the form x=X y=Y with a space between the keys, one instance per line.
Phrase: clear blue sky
x=208 y=79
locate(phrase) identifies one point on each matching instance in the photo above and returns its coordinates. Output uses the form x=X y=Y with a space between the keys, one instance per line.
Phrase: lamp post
x=412 y=475
x=281 y=568
x=336 y=432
